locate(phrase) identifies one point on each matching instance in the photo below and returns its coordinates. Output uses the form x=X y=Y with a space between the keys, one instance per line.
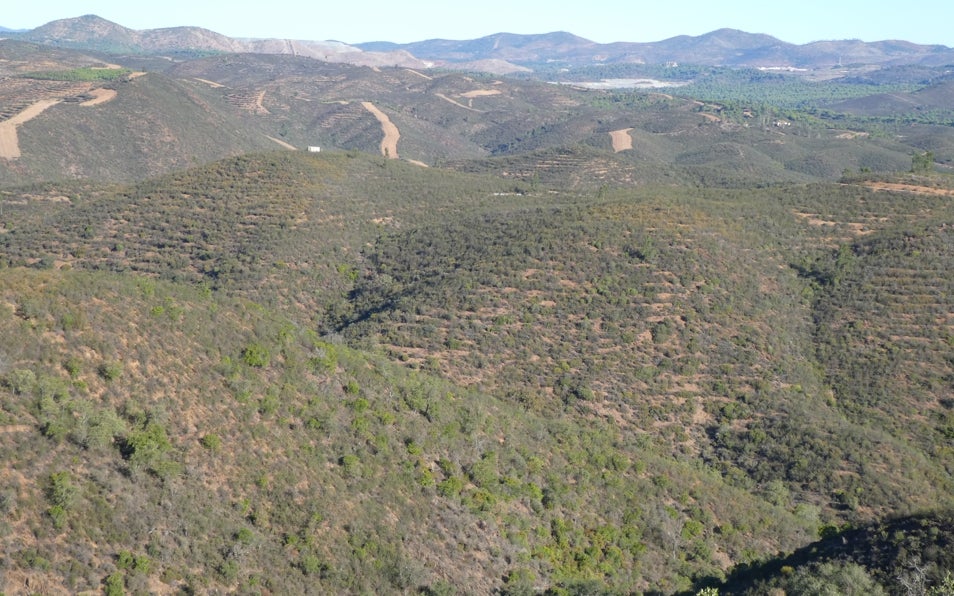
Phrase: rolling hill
x=499 y=335
x=99 y=121
x=723 y=47
x=679 y=350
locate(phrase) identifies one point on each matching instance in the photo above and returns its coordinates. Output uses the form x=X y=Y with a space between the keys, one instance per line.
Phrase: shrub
x=149 y=448
x=256 y=355
x=110 y=371
x=60 y=493
x=72 y=366
x=21 y=380
x=60 y=490
x=351 y=464
x=312 y=565
x=450 y=487
x=211 y=441
x=115 y=584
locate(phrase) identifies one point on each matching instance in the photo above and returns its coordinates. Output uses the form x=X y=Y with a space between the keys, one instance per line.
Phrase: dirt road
x=456 y=103
x=100 y=96
x=282 y=143
x=9 y=143
x=391 y=133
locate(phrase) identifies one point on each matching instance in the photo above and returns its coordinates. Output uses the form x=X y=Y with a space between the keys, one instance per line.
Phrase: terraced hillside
x=635 y=389
x=696 y=328
x=887 y=327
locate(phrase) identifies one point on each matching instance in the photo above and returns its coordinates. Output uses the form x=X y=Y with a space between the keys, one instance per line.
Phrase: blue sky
x=354 y=21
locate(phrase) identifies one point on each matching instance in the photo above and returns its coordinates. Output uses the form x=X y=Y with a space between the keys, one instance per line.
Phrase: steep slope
x=631 y=319
x=884 y=558
x=152 y=124
x=622 y=391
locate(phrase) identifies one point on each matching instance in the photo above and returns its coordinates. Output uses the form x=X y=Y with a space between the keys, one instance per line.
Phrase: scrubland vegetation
x=722 y=366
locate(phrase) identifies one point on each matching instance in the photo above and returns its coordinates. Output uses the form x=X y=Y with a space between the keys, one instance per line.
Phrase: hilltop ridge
x=723 y=47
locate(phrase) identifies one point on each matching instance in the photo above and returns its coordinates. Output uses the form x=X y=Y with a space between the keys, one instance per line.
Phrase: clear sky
x=355 y=21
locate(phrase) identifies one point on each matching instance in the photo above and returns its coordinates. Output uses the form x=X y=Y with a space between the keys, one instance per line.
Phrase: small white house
x=313 y=149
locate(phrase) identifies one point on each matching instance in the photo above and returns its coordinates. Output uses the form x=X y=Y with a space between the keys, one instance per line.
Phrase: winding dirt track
x=9 y=143
x=260 y=103
x=391 y=133
x=100 y=96
x=621 y=140
x=456 y=103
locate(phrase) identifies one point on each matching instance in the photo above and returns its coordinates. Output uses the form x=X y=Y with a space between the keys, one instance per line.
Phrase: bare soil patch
x=456 y=103
x=856 y=228
x=100 y=96
x=480 y=93
x=9 y=143
x=912 y=188
x=15 y=428
x=212 y=84
x=621 y=140
x=260 y=103
x=391 y=133
x=420 y=74
x=283 y=143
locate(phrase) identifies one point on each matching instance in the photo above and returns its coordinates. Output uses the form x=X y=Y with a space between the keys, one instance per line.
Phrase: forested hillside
x=542 y=339
x=279 y=372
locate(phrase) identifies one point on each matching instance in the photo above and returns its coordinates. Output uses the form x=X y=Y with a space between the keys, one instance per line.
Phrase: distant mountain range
x=500 y=53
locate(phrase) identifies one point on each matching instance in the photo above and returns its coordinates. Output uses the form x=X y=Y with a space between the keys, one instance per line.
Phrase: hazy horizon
x=374 y=20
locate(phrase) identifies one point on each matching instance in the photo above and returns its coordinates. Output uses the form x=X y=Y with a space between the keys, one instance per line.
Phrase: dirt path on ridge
x=9 y=143
x=420 y=74
x=481 y=93
x=457 y=103
x=260 y=103
x=100 y=96
x=212 y=84
x=282 y=143
x=621 y=139
x=391 y=133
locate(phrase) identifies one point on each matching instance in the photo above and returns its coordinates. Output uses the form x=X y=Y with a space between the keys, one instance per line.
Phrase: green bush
x=115 y=584
x=110 y=371
x=211 y=441
x=450 y=487
x=21 y=380
x=256 y=355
